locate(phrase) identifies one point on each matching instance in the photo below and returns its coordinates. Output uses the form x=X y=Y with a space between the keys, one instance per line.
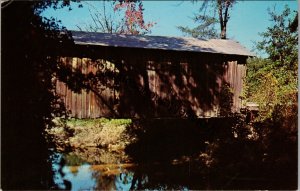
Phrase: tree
x=273 y=81
x=28 y=65
x=294 y=25
x=131 y=23
x=279 y=42
x=134 y=19
x=31 y=45
x=206 y=28
x=103 y=21
x=218 y=12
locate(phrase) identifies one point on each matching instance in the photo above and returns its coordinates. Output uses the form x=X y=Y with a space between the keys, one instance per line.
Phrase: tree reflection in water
x=115 y=176
x=89 y=177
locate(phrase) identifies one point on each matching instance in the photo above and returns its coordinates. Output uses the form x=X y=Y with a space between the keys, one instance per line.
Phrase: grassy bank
x=82 y=133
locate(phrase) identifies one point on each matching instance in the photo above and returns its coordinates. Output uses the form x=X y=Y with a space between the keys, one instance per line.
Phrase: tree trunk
x=223 y=16
x=223 y=33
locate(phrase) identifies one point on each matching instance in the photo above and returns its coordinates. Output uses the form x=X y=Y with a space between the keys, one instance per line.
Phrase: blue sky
x=248 y=18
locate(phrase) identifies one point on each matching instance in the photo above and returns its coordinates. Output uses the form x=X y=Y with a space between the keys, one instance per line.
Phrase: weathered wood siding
x=168 y=86
x=235 y=74
x=85 y=104
x=183 y=93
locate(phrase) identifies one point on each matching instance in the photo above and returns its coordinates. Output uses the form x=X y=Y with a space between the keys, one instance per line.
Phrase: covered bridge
x=154 y=76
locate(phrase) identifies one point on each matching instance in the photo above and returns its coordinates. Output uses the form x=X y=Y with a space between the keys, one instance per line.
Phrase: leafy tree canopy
x=273 y=81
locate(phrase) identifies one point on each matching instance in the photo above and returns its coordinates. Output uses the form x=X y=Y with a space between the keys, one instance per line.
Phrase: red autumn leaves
x=134 y=20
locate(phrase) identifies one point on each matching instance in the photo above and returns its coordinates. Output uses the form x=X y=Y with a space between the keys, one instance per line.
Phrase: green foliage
x=86 y=122
x=118 y=122
x=273 y=81
x=226 y=101
x=279 y=42
x=206 y=28
x=96 y=122
x=210 y=14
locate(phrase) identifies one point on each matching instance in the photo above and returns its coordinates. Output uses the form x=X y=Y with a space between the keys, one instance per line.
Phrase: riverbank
x=238 y=155
x=103 y=133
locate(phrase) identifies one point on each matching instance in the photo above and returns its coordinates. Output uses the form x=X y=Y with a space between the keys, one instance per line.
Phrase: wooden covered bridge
x=154 y=76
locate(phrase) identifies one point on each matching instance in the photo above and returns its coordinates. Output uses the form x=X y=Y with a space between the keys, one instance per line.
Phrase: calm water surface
x=169 y=157
x=72 y=172
x=81 y=175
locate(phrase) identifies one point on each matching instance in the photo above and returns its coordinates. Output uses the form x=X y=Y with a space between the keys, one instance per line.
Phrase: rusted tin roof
x=161 y=42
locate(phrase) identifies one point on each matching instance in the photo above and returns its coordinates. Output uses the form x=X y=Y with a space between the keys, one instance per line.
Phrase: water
x=88 y=177
x=169 y=157
x=74 y=173
x=91 y=177
x=121 y=176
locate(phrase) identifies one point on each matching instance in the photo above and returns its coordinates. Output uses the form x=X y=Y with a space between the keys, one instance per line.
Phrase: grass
x=98 y=122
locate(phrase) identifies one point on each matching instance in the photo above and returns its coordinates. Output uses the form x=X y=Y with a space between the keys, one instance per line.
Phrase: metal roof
x=161 y=42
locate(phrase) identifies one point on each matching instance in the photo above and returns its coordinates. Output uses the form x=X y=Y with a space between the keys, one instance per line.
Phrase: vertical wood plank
x=88 y=94
x=83 y=64
x=73 y=104
x=79 y=106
